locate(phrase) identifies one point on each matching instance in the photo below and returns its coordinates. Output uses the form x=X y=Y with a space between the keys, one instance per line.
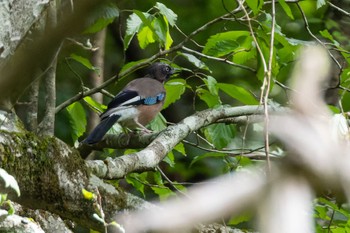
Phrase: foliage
x=9 y=184
x=228 y=65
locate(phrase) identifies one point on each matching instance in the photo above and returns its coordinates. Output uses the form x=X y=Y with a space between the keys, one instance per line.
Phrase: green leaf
x=137 y=181
x=194 y=60
x=158 y=123
x=161 y=28
x=133 y=24
x=158 y=178
x=82 y=60
x=220 y=134
x=238 y=93
x=9 y=181
x=244 y=217
x=255 y=5
x=180 y=148
x=286 y=8
x=168 y=13
x=210 y=99
x=101 y=17
x=211 y=84
x=174 y=90
x=88 y=195
x=170 y=159
x=11 y=209
x=163 y=192
x=131 y=64
x=325 y=33
x=207 y=155
x=320 y=3
x=145 y=36
x=77 y=119
x=94 y=105
x=224 y=43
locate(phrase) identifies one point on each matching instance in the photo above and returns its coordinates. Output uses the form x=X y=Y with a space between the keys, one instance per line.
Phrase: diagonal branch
x=143 y=63
x=155 y=152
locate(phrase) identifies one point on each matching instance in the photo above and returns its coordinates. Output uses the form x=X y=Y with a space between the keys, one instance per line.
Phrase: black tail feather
x=101 y=129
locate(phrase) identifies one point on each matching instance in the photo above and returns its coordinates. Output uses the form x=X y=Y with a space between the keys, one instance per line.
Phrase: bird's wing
x=124 y=98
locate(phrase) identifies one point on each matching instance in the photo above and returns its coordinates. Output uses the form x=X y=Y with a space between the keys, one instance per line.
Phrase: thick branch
x=47 y=125
x=156 y=151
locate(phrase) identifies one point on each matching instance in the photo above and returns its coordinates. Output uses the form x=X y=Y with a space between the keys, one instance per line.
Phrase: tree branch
x=143 y=63
x=155 y=152
x=47 y=125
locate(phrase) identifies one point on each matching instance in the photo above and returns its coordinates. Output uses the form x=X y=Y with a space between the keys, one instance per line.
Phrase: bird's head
x=160 y=71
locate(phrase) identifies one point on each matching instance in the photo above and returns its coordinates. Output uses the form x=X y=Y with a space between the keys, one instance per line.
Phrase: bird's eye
x=167 y=68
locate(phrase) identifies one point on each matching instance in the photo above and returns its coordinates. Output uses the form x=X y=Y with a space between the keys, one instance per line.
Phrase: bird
x=136 y=104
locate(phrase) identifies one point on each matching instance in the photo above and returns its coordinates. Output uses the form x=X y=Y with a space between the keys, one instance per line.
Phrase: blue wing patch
x=150 y=100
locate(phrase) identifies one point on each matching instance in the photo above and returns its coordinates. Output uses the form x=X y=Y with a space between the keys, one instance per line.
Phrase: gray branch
x=155 y=152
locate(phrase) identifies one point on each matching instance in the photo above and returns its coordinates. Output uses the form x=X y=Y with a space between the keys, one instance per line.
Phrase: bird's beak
x=175 y=70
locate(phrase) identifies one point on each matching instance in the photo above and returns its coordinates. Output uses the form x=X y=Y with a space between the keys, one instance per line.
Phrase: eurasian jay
x=136 y=105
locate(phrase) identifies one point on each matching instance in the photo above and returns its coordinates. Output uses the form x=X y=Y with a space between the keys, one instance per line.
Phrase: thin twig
x=143 y=63
x=338 y=9
x=240 y=2
x=267 y=81
x=171 y=183
x=218 y=59
x=307 y=27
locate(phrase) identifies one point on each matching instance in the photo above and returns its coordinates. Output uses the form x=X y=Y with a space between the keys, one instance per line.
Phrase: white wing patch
x=136 y=98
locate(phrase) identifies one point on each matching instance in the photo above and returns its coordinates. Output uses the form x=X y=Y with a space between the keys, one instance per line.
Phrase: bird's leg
x=143 y=128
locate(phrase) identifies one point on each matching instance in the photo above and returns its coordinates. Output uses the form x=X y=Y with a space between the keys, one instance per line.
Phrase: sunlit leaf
x=320 y=3
x=180 y=148
x=255 y=5
x=163 y=192
x=238 y=93
x=88 y=195
x=77 y=119
x=325 y=33
x=94 y=105
x=286 y=8
x=145 y=36
x=168 y=13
